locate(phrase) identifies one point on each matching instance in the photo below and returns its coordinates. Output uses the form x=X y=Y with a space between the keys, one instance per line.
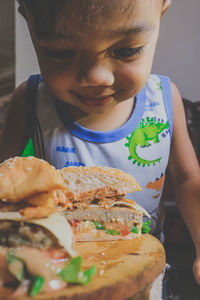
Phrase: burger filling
x=14 y=234
x=43 y=266
x=111 y=228
x=32 y=261
x=112 y=216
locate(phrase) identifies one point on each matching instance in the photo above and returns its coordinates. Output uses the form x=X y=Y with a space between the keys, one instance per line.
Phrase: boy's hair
x=47 y=16
x=42 y=14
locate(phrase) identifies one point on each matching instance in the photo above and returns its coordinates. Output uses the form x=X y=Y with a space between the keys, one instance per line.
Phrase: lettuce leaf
x=73 y=272
x=113 y=232
x=135 y=229
x=145 y=227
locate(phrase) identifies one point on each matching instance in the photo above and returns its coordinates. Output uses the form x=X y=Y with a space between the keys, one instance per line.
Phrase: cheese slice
x=132 y=204
x=55 y=223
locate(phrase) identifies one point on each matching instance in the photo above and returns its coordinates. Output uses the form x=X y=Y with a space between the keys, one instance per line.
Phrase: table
x=125 y=270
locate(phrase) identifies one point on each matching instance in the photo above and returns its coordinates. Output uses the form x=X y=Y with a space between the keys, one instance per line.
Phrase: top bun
x=89 y=183
x=24 y=177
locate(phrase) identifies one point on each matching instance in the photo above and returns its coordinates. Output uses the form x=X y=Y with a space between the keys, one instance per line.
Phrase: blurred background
x=7 y=46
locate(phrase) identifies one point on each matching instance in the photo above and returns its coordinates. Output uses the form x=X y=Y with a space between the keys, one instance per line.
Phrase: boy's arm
x=14 y=137
x=184 y=172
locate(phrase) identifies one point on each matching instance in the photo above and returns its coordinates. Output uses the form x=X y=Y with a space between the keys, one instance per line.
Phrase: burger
x=37 y=251
x=31 y=186
x=100 y=211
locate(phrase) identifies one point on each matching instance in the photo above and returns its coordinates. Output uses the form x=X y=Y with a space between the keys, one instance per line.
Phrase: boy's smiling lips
x=90 y=100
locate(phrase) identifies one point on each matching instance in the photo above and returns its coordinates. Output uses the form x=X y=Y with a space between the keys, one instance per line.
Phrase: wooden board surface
x=123 y=269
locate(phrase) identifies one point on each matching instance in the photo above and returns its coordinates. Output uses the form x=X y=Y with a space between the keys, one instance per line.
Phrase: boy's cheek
x=55 y=73
x=57 y=81
x=134 y=75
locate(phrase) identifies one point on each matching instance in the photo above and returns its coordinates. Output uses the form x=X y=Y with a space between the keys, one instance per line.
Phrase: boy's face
x=103 y=59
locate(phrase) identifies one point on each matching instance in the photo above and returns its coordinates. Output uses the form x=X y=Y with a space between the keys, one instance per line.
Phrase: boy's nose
x=95 y=74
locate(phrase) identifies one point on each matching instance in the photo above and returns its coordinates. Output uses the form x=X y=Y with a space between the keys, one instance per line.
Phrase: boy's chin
x=97 y=109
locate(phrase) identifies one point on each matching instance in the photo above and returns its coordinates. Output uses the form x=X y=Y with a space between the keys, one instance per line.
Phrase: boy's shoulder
x=21 y=89
x=158 y=78
x=15 y=125
x=157 y=82
x=158 y=85
x=19 y=95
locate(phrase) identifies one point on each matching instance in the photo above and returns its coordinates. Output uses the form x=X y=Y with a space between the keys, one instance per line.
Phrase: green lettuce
x=135 y=229
x=73 y=272
x=145 y=227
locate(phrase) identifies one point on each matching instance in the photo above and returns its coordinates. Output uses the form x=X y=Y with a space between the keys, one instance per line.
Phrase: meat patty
x=107 y=215
x=14 y=234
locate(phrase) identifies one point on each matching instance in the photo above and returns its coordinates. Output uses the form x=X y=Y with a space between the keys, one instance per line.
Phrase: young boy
x=97 y=104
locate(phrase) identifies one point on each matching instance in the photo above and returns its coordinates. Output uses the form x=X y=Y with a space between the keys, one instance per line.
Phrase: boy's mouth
x=94 y=101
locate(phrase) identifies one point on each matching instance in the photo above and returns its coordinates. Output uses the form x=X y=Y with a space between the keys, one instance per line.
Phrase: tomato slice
x=58 y=254
x=75 y=223
x=125 y=231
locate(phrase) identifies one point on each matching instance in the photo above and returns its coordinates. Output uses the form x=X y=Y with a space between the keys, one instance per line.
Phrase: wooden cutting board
x=124 y=268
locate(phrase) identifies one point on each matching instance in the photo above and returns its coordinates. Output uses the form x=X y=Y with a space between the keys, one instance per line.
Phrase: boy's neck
x=106 y=121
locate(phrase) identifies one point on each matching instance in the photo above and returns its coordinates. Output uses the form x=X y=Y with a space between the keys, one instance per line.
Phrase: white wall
x=178 y=49
x=177 y=54
x=26 y=62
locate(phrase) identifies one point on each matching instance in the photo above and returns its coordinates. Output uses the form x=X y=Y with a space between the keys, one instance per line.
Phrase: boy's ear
x=165 y=7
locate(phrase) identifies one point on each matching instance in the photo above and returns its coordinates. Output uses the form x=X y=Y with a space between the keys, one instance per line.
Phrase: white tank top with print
x=140 y=147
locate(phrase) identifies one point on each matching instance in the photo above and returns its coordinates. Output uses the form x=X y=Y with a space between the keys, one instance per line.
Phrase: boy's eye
x=60 y=54
x=127 y=52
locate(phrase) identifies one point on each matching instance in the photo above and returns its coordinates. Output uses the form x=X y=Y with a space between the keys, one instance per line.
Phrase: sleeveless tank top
x=140 y=147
